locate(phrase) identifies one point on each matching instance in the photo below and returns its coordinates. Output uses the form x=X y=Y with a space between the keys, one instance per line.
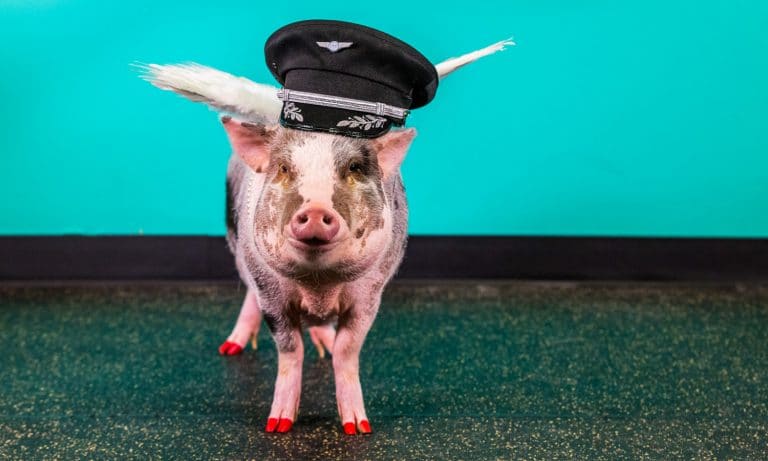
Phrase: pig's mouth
x=313 y=245
x=314 y=242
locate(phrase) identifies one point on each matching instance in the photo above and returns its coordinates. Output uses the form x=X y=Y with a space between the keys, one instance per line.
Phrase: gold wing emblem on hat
x=334 y=46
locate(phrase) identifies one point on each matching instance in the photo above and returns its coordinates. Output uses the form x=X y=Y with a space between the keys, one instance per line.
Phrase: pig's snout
x=315 y=225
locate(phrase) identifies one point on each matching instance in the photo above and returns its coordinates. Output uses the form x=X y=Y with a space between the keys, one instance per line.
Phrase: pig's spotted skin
x=344 y=284
x=363 y=188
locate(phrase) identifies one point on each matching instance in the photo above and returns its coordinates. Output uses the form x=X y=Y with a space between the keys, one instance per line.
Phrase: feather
x=449 y=65
x=223 y=92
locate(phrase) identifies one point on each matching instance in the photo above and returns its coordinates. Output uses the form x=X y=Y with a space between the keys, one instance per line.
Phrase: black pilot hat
x=346 y=78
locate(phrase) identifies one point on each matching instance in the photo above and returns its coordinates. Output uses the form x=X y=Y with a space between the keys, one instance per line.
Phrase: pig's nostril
x=303 y=218
x=327 y=219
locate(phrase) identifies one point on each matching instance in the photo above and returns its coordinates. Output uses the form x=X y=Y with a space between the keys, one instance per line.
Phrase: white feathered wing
x=223 y=92
x=248 y=100
x=449 y=65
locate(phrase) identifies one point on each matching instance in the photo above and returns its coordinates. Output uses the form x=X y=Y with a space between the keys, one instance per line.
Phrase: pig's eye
x=283 y=173
x=355 y=167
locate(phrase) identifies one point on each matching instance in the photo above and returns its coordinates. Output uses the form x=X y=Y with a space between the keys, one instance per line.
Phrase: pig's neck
x=320 y=301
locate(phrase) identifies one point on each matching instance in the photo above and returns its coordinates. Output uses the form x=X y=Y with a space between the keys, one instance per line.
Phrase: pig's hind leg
x=322 y=337
x=247 y=327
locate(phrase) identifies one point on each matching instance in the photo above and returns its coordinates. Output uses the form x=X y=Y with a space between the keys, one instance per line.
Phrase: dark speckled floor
x=450 y=371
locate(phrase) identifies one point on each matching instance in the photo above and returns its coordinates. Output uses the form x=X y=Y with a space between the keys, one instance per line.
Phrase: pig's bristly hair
x=221 y=91
x=449 y=65
x=251 y=101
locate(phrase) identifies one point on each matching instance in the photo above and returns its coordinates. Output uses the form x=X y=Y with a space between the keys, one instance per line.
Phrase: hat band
x=338 y=102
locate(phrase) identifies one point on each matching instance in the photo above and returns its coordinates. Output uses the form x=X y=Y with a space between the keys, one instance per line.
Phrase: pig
x=317 y=224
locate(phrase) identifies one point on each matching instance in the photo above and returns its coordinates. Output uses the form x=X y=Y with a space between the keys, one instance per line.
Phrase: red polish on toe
x=271 y=424
x=365 y=426
x=349 y=428
x=284 y=425
x=230 y=348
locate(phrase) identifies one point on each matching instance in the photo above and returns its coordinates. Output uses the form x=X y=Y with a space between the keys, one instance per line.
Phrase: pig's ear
x=249 y=141
x=391 y=149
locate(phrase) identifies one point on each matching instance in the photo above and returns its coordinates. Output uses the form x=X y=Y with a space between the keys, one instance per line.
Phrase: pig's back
x=236 y=172
x=243 y=189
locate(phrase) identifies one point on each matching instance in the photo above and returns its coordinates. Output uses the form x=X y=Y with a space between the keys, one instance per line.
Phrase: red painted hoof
x=284 y=425
x=271 y=424
x=349 y=428
x=230 y=348
x=365 y=426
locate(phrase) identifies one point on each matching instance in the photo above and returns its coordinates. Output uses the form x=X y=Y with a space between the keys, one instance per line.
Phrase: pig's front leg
x=350 y=335
x=290 y=357
x=247 y=327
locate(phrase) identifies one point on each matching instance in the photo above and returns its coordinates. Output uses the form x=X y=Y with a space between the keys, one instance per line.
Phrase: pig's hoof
x=230 y=348
x=364 y=426
x=281 y=425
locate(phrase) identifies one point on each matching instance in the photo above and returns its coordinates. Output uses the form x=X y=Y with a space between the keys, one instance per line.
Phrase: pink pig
x=317 y=223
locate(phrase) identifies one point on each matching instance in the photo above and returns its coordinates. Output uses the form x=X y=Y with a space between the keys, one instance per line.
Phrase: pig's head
x=322 y=213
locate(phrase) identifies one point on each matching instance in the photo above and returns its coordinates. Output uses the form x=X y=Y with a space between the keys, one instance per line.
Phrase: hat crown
x=347 y=78
x=354 y=50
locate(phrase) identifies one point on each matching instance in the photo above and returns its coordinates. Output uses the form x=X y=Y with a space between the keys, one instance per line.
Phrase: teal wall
x=646 y=118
